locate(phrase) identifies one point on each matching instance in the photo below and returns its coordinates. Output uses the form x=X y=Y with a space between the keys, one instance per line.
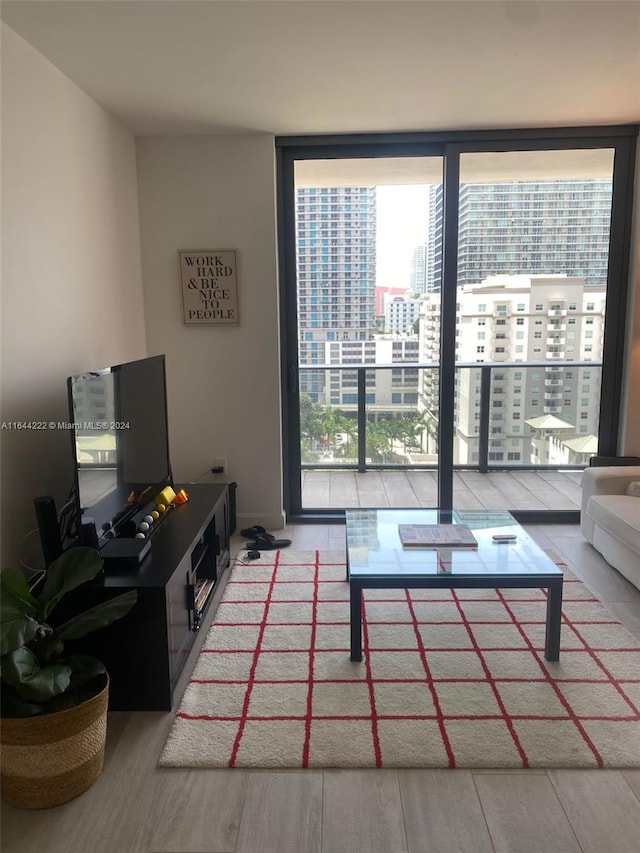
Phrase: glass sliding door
x=364 y=260
x=453 y=316
x=533 y=257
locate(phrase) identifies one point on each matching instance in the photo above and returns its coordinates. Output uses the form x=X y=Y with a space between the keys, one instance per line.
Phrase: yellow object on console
x=166 y=497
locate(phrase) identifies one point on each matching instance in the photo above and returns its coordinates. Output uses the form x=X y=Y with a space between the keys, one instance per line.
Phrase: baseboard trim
x=270 y=521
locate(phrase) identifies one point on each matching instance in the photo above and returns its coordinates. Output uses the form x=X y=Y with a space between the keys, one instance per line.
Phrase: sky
x=401 y=226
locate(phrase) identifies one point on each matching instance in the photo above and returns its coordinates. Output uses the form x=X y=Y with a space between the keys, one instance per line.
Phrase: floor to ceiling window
x=451 y=313
x=533 y=257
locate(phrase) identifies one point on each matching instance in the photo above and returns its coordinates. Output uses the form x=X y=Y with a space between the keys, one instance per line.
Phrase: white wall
x=71 y=276
x=218 y=192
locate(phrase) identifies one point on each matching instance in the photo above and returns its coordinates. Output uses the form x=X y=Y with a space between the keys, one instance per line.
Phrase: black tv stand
x=145 y=652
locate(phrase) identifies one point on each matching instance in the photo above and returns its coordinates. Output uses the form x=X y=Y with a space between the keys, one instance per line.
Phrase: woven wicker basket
x=50 y=759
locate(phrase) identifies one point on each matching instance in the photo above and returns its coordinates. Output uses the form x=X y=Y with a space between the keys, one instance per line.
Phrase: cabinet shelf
x=145 y=652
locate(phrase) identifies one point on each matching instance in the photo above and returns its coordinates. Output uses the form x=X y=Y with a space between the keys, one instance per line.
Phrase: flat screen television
x=120 y=445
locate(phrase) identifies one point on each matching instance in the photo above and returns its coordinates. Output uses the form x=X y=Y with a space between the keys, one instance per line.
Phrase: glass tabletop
x=374 y=548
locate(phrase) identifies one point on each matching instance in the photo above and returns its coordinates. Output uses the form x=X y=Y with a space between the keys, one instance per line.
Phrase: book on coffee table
x=436 y=536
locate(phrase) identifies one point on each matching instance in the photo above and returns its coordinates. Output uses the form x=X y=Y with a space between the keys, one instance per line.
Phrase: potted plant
x=54 y=704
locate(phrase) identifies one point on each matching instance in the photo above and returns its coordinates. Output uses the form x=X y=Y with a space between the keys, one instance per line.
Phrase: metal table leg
x=355 y=609
x=554 y=621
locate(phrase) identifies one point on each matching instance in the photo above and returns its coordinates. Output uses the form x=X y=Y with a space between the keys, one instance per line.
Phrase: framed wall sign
x=209 y=286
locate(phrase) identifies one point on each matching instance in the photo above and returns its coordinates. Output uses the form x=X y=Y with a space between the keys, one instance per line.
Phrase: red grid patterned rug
x=450 y=678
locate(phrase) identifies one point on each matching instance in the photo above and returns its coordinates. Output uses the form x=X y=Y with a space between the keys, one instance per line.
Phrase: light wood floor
x=513 y=490
x=134 y=807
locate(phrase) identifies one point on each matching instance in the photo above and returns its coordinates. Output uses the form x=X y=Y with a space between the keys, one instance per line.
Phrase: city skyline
x=538 y=337
x=532 y=259
x=352 y=242
x=407 y=218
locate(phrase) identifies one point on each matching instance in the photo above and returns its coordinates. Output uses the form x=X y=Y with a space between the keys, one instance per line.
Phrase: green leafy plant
x=36 y=675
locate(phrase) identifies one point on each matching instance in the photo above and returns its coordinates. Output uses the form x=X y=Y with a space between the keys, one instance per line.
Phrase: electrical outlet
x=221 y=463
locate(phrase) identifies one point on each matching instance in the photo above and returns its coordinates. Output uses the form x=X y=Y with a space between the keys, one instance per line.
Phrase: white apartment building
x=400 y=313
x=392 y=391
x=548 y=319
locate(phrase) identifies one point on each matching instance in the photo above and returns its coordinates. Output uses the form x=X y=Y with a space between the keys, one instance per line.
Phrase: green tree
x=320 y=426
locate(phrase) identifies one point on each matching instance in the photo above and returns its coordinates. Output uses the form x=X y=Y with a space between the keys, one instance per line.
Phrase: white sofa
x=610 y=519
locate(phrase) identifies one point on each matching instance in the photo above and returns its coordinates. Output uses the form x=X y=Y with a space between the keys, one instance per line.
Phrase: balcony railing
x=484 y=414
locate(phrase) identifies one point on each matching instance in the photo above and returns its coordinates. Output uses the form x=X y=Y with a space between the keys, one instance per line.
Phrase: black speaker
x=48 y=526
x=232 y=508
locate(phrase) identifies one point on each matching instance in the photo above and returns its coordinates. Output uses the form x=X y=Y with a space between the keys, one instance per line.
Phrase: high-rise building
x=418 y=274
x=525 y=227
x=336 y=267
x=433 y=254
x=552 y=320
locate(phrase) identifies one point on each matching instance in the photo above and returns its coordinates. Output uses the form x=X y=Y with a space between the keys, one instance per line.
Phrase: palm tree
x=320 y=426
x=346 y=425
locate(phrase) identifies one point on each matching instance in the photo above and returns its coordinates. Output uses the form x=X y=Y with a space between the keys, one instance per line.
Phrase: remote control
x=504 y=537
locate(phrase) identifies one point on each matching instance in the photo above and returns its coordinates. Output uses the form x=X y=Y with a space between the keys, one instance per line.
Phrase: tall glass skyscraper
x=336 y=267
x=525 y=227
x=418 y=278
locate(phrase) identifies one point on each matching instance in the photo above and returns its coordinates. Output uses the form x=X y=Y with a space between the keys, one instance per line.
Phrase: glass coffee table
x=376 y=559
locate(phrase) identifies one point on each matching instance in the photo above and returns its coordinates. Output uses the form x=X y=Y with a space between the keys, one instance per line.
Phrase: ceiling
x=297 y=67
